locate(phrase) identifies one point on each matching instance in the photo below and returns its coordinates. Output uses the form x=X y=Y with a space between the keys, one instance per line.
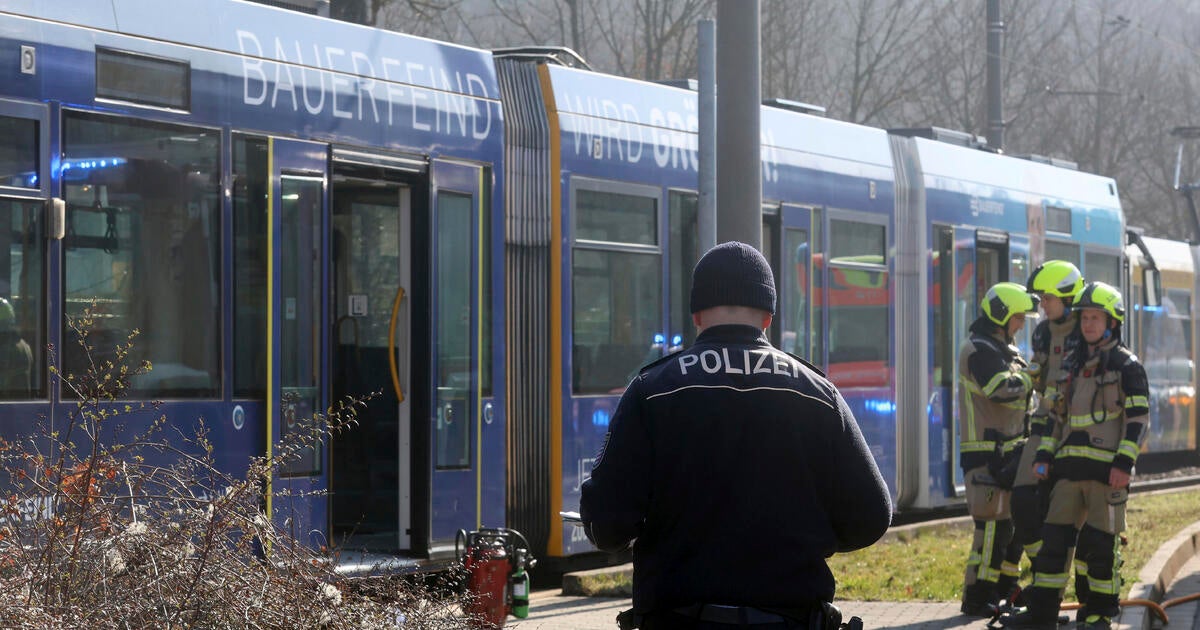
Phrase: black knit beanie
x=733 y=274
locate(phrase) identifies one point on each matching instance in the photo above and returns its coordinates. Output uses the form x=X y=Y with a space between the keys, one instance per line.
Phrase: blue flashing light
x=92 y=164
x=676 y=340
x=33 y=180
x=880 y=406
x=660 y=338
x=600 y=418
x=1153 y=309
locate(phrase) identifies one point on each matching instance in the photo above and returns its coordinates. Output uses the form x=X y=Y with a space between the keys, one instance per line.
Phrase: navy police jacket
x=738 y=469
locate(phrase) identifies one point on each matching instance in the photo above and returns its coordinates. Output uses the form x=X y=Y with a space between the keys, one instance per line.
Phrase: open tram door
x=410 y=303
x=371 y=306
x=980 y=259
x=296 y=386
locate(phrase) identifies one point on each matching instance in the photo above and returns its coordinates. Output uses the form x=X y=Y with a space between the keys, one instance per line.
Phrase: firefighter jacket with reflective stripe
x=1052 y=342
x=993 y=395
x=1103 y=423
x=739 y=469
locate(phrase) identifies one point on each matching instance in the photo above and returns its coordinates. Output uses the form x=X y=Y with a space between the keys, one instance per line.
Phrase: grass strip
x=928 y=565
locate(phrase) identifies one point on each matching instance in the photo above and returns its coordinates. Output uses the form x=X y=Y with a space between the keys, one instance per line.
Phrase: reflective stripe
x=1137 y=401
x=1106 y=587
x=978 y=447
x=1128 y=449
x=1084 y=420
x=1011 y=445
x=1049 y=444
x=995 y=383
x=1010 y=569
x=986 y=572
x=1087 y=452
x=1050 y=580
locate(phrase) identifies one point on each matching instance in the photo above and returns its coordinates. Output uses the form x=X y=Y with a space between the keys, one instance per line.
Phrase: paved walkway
x=1183 y=616
x=551 y=611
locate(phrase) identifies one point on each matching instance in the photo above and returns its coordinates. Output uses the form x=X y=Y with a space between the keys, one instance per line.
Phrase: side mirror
x=1151 y=288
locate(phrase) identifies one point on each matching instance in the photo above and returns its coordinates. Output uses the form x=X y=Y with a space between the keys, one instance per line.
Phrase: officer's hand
x=1041 y=470
x=1117 y=478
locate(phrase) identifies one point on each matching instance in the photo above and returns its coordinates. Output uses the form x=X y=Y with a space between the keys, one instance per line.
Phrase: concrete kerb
x=1162 y=569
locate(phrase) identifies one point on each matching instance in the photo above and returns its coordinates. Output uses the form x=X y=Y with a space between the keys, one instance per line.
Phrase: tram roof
x=962 y=169
x=284 y=35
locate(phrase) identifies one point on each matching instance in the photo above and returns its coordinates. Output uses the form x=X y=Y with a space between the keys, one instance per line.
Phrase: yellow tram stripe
x=554 y=546
x=270 y=404
x=479 y=367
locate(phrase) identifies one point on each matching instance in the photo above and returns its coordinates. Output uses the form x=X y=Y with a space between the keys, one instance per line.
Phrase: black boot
x=1029 y=619
x=1041 y=614
x=1007 y=591
x=979 y=599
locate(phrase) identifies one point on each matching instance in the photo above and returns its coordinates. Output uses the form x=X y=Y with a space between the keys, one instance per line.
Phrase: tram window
x=616 y=218
x=1102 y=268
x=795 y=274
x=859 y=340
x=141 y=78
x=142 y=249
x=853 y=241
x=818 y=284
x=453 y=315
x=1058 y=219
x=943 y=311
x=684 y=250
x=617 y=307
x=22 y=334
x=250 y=180
x=1058 y=250
x=19 y=153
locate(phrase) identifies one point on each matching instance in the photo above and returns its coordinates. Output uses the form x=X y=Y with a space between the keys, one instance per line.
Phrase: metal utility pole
x=995 y=80
x=739 y=165
x=706 y=36
x=1188 y=189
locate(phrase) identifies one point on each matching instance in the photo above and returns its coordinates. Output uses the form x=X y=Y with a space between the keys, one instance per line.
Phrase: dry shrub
x=141 y=529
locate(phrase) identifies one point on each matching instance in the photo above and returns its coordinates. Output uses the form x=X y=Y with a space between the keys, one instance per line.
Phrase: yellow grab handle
x=392 y=345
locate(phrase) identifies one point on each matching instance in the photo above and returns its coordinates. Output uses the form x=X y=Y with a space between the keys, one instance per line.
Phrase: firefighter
x=738 y=469
x=994 y=397
x=1056 y=283
x=1099 y=417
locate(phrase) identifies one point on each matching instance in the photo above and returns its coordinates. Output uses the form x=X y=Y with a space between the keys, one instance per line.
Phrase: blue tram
x=293 y=210
x=290 y=210
x=883 y=243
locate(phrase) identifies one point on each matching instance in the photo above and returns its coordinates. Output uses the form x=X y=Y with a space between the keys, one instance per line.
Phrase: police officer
x=994 y=395
x=1100 y=418
x=738 y=469
x=1056 y=283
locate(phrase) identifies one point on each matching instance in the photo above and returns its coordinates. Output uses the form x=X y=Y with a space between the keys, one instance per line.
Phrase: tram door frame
x=796 y=219
x=460 y=414
x=969 y=242
x=299 y=172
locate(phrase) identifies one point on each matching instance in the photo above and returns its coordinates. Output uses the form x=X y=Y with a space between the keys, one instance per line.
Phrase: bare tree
x=795 y=49
x=1100 y=82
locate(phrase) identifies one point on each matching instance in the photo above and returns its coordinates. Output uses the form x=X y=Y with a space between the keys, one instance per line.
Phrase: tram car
x=293 y=210
x=1162 y=333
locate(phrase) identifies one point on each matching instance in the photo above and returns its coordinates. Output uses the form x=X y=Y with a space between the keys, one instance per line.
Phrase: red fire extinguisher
x=495 y=561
